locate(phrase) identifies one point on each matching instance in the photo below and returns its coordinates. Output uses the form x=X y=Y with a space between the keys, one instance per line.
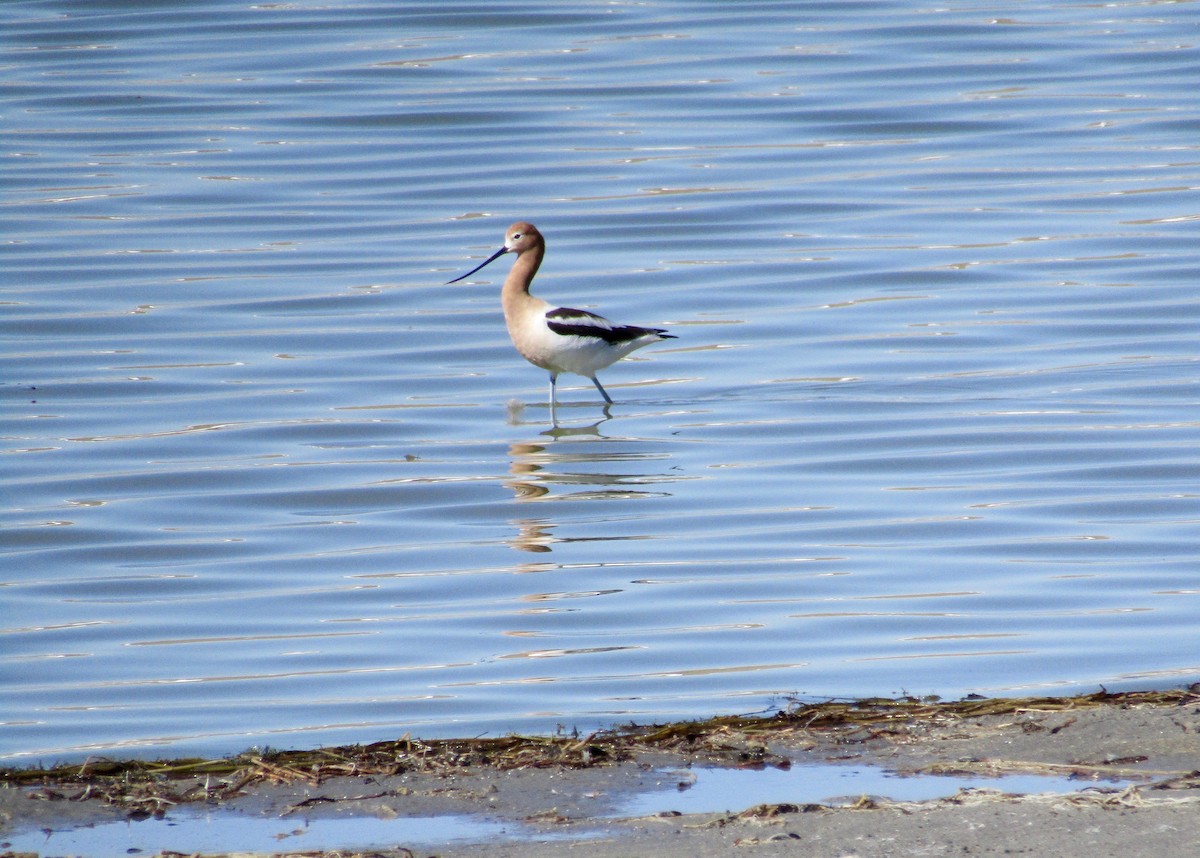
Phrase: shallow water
x=930 y=424
x=720 y=790
x=215 y=831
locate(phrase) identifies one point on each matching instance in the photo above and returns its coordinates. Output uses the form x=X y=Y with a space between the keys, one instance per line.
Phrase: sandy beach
x=1134 y=759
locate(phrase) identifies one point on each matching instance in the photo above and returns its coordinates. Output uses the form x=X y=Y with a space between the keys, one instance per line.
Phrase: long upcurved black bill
x=491 y=258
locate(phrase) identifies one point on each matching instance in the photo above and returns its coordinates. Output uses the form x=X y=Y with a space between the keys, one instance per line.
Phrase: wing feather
x=569 y=322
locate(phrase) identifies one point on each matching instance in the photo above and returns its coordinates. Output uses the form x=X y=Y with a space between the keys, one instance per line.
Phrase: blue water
x=930 y=425
x=213 y=832
x=720 y=790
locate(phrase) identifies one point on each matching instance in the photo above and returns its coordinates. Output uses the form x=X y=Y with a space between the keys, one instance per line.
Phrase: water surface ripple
x=930 y=425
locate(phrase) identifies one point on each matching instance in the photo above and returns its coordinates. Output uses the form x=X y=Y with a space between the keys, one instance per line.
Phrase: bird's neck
x=516 y=285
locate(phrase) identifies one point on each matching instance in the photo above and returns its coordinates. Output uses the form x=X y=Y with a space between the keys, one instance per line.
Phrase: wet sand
x=1136 y=758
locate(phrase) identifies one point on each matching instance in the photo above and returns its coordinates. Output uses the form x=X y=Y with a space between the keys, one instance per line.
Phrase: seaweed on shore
x=149 y=788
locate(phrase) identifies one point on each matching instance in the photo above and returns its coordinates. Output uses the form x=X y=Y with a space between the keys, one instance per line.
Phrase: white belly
x=557 y=353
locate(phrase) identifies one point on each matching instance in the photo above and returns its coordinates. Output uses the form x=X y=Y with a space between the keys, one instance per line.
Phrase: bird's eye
x=516 y=236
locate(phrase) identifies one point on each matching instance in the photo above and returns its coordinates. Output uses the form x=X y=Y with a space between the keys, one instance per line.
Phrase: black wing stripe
x=566 y=313
x=622 y=334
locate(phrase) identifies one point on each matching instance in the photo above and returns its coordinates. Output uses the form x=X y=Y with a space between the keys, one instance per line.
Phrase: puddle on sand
x=188 y=833
x=717 y=790
x=696 y=790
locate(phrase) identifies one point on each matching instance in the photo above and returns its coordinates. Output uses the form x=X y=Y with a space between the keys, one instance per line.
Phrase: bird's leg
x=553 y=383
x=603 y=392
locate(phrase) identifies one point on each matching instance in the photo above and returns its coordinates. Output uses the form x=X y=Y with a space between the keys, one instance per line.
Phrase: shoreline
x=1135 y=755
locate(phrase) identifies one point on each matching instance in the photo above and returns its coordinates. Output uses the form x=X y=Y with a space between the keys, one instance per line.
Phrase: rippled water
x=930 y=425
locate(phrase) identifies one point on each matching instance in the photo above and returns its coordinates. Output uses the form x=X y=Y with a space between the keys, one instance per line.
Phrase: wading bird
x=558 y=339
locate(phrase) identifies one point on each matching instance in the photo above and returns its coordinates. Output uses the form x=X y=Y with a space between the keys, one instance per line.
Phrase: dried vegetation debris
x=142 y=788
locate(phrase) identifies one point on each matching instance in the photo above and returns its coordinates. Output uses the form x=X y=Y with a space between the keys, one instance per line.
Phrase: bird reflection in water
x=578 y=469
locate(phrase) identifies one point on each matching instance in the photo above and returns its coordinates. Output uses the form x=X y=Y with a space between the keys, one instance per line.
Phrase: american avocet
x=558 y=339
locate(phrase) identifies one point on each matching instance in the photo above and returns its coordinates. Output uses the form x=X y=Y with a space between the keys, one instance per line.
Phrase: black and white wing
x=569 y=322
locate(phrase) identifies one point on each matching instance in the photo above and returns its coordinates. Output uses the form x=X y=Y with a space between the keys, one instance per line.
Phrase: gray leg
x=553 y=385
x=600 y=388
